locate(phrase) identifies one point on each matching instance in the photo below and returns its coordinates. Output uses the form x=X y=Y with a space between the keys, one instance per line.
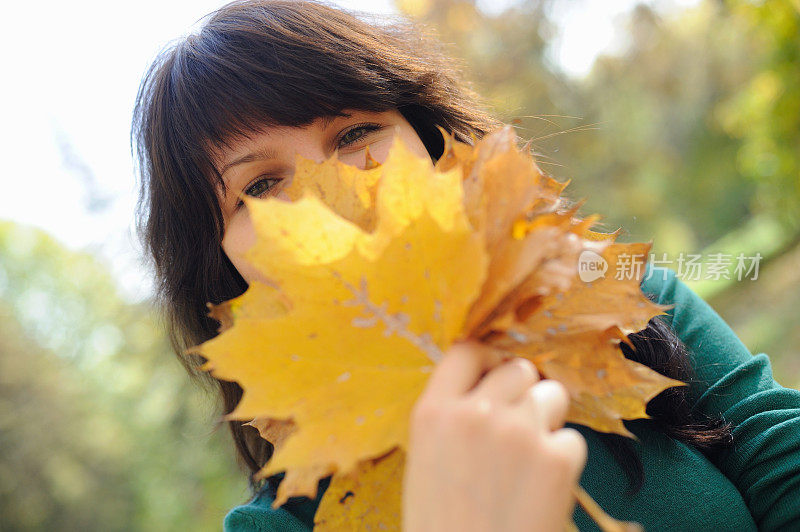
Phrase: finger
x=548 y=401
x=508 y=381
x=572 y=444
x=461 y=367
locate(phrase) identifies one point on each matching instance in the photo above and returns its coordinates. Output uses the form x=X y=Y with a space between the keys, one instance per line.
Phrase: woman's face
x=263 y=164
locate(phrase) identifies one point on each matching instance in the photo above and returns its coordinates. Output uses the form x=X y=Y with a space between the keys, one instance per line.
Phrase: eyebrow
x=258 y=155
x=326 y=120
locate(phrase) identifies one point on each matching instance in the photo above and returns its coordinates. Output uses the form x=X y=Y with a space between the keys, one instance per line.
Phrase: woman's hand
x=490 y=453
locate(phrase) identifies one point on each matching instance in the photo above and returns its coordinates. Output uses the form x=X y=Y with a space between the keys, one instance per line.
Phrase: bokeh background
x=678 y=121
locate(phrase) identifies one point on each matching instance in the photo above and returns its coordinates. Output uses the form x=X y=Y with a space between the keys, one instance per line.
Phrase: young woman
x=224 y=111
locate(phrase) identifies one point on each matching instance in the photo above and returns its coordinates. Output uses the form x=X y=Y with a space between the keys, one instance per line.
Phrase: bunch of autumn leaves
x=368 y=276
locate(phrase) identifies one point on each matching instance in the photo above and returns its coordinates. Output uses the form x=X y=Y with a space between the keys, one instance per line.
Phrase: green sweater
x=756 y=484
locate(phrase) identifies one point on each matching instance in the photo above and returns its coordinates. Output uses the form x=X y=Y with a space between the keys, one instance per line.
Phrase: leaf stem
x=599 y=516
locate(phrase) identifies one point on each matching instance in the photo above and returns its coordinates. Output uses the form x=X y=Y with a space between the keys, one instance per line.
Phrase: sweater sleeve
x=764 y=462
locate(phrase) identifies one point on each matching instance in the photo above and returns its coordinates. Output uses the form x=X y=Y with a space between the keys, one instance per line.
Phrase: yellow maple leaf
x=368 y=498
x=369 y=275
x=343 y=339
x=345 y=189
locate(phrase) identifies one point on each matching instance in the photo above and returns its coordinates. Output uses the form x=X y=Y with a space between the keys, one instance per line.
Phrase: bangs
x=224 y=89
x=241 y=74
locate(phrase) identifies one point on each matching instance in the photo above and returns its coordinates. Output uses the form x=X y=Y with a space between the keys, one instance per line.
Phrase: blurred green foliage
x=99 y=427
x=691 y=138
x=662 y=138
x=763 y=114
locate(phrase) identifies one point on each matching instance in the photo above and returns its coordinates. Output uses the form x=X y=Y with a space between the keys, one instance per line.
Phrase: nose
x=314 y=151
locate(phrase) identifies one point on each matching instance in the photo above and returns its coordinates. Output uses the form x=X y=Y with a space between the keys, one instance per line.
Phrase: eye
x=357 y=132
x=260 y=187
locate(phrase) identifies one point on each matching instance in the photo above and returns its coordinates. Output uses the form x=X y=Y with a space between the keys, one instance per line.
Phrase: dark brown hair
x=260 y=63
